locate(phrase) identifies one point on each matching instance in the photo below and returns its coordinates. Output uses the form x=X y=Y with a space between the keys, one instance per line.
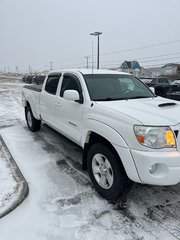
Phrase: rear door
x=48 y=98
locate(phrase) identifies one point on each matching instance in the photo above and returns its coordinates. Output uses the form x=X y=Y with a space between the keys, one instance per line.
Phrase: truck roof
x=89 y=71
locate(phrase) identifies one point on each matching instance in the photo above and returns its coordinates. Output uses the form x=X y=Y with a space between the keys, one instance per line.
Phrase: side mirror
x=71 y=95
x=152 y=90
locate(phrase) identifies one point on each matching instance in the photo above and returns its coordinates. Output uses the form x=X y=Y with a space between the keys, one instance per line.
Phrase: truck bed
x=32 y=93
x=34 y=87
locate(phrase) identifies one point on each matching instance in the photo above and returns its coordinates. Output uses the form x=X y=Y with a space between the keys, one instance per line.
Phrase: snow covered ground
x=62 y=203
x=7 y=183
x=13 y=187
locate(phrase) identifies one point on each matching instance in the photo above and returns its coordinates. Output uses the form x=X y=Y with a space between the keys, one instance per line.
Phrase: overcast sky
x=37 y=32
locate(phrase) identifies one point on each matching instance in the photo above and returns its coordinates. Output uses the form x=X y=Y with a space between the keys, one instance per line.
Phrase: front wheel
x=33 y=123
x=107 y=173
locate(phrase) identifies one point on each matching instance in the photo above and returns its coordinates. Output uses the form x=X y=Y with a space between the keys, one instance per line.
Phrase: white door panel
x=69 y=118
x=48 y=107
x=48 y=99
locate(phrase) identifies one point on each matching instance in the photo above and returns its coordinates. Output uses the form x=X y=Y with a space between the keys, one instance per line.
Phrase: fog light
x=153 y=168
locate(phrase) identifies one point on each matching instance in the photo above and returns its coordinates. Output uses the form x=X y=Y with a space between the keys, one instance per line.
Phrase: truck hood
x=148 y=111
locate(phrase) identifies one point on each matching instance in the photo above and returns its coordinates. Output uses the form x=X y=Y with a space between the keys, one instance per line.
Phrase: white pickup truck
x=126 y=132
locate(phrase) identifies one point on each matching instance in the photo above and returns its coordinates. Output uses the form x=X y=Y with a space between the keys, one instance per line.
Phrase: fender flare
x=103 y=130
x=28 y=100
x=116 y=140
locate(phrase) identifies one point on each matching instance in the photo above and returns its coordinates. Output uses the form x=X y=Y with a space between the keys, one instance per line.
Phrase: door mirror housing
x=72 y=95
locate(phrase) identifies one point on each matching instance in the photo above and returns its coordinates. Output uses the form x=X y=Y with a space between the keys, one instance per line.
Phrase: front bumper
x=157 y=168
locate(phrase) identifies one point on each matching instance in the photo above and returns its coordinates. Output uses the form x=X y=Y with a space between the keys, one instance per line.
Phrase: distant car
x=24 y=78
x=28 y=79
x=39 y=80
x=159 y=82
x=146 y=80
x=33 y=80
x=176 y=82
x=161 y=85
x=175 y=90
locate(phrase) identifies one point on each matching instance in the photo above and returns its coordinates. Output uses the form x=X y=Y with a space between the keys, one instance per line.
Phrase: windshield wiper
x=110 y=99
x=136 y=97
x=116 y=99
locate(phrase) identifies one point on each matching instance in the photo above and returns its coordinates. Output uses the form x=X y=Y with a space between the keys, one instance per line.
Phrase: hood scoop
x=166 y=104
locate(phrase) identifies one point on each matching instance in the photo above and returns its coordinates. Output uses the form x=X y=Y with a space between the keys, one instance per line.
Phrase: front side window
x=51 y=84
x=69 y=83
x=107 y=87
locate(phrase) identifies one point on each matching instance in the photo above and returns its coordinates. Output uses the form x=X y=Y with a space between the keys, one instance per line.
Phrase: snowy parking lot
x=62 y=203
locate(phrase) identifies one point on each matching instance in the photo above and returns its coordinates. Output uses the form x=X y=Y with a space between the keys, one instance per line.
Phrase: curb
x=22 y=185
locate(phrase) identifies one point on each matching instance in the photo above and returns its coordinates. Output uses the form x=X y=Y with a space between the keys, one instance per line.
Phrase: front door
x=69 y=113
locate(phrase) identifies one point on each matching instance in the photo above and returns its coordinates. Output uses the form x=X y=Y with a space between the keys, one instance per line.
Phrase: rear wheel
x=107 y=173
x=33 y=123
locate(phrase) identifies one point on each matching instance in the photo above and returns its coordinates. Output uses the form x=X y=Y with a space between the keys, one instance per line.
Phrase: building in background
x=134 y=68
x=157 y=71
x=171 y=69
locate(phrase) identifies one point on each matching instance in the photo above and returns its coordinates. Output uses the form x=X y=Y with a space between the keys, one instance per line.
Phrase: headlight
x=155 y=137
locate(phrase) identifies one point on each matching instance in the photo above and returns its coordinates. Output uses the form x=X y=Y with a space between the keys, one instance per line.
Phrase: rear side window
x=51 y=84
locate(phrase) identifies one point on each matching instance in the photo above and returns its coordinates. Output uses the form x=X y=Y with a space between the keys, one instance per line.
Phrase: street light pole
x=51 y=66
x=87 y=58
x=97 y=35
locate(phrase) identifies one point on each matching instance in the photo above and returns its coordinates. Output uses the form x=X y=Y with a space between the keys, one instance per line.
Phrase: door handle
x=58 y=104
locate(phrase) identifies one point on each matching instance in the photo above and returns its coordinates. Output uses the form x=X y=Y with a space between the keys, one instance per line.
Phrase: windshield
x=108 y=87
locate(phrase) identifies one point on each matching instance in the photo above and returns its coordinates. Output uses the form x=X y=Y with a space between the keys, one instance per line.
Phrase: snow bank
x=13 y=187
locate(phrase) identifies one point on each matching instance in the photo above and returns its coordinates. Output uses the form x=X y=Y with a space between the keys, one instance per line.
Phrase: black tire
x=34 y=125
x=119 y=183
